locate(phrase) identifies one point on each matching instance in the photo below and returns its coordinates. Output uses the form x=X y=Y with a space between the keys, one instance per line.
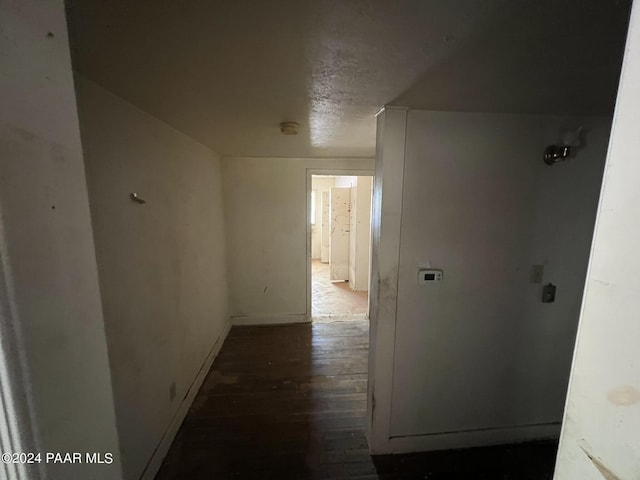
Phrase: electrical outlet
x=537 y=274
x=172 y=391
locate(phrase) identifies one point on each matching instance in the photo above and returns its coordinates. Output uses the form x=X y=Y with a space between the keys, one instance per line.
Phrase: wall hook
x=134 y=196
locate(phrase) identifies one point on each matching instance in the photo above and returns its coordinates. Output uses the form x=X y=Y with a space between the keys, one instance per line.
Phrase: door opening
x=340 y=246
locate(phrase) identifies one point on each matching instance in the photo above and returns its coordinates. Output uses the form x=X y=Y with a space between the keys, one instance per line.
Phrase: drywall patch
x=624 y=395
x=607 y=474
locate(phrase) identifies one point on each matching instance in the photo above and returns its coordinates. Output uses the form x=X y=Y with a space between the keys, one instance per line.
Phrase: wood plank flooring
x=334 y=299
x=288 y=402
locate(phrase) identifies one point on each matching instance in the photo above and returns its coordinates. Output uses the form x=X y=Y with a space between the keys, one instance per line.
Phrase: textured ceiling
x=227 y=73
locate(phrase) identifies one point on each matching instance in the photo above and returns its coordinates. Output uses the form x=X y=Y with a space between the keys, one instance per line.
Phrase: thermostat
x=429 y=276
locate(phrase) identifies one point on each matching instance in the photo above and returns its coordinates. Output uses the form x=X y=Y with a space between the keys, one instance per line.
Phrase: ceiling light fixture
x=289 y=128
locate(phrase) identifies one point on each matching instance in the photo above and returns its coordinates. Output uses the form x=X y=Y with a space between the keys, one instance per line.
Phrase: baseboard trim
x=154 y=463
x=286 y=318
x=353 y=317
x=472 y=438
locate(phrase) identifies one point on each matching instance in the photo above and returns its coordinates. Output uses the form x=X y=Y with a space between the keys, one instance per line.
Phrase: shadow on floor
x=525 y=461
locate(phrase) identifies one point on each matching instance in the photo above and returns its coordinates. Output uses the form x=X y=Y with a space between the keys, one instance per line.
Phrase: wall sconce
x=555 y=153
x=571 y=141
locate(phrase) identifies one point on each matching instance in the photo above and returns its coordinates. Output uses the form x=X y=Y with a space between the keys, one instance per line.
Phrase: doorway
x=339 y=252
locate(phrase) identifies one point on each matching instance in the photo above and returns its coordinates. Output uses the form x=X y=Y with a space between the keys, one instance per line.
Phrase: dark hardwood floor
x=288 y=402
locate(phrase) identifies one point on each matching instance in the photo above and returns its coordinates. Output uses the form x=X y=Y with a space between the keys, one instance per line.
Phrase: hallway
x=289 y=402
x=158 y=170
x=334 y=299
x=281 y=402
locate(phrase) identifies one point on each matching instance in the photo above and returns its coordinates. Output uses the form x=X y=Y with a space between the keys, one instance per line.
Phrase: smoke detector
x=289 y=128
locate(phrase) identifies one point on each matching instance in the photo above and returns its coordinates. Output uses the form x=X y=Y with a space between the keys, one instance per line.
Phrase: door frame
x=17 y=418
x=368 y=172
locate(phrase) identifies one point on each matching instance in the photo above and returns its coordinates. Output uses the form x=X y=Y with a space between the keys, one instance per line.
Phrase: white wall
x=319 y=184
x=602 y=417
x=161 y=265
x=268 y=276
x=49 y=290
x=480 y=353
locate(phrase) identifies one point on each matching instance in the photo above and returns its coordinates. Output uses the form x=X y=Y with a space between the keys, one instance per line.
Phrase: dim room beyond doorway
x=340 y=216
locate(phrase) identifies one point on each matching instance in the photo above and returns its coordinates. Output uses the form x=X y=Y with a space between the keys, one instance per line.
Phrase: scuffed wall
x=602 y=418
x=50 y=279
x=161 y=264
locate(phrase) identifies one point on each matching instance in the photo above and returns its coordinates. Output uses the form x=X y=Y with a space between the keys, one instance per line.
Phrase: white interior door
x=339 y=223
x=324 y=228
x=353 y=233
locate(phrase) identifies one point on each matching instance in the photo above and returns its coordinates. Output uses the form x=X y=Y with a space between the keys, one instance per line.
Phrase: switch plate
x=429 y=276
